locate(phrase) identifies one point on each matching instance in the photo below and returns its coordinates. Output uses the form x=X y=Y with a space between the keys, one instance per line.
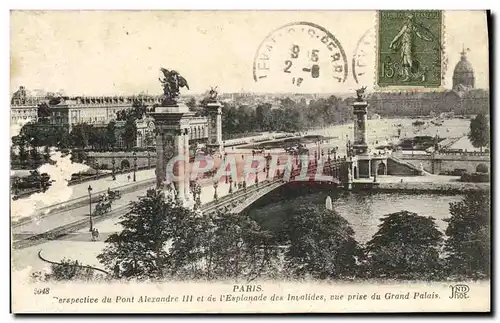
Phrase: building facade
x=96 y=111
x=462 y=99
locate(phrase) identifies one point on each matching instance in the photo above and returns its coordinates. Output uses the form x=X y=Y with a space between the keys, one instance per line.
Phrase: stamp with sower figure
x=409 y=48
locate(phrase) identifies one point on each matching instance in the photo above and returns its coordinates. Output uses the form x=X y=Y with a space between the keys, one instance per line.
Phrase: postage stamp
x=409 y=48
x=247 y=162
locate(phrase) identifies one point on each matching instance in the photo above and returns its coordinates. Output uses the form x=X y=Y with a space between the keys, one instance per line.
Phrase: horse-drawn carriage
x=114 y=195
x=102 y=208
x=110 y=196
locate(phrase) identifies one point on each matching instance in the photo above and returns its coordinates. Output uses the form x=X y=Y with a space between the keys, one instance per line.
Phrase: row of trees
x=289 y=116
x=162 y=240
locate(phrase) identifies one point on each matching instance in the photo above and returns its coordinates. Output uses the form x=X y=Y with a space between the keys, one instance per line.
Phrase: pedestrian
x=128 y=178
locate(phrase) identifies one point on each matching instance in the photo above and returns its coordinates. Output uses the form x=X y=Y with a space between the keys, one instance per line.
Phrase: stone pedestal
x=360 y=144
x=214 y=110
x=172 y=140
x=364 y=166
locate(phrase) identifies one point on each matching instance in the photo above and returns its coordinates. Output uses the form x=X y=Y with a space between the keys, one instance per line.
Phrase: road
x=60 y=194
x=78 y=245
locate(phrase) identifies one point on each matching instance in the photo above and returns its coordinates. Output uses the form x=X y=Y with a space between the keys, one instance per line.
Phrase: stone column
x=214 y=110
x=179 y=168
x=187 y=192
x=360 y=144
x=160 y=159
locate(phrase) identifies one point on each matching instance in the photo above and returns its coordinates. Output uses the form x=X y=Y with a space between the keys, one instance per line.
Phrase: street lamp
x=135 y=163
x=149 y=159
x=215 y=190
x=113 y=176
x=90 y=209
x=330 y=170
x=268 y=161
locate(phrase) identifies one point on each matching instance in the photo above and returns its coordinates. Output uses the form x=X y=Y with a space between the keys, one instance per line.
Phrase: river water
x=363 y=210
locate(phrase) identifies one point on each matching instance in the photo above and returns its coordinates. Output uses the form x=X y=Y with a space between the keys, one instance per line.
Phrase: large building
x=463 y=74
x=97 y=111
x=462 y=99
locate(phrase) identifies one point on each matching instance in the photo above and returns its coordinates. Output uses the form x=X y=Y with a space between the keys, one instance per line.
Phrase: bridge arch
x=125 y=164
x=482 y=168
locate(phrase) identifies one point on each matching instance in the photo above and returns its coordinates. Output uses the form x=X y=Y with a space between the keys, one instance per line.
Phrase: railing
x=35 y=239
x=84 y=179
x=79 y=201
x=260 y=193
x=463 y=153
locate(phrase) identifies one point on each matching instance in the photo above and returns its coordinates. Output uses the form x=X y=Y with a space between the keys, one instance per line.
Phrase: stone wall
x=122 y=159
x=438 y=163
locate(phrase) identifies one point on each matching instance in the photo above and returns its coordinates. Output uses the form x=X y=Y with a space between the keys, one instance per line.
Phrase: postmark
x=364 y=58
x=300 y=54
x=409 y=48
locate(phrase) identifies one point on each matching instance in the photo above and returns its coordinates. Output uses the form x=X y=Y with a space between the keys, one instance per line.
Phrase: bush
x=482 y=168
x=475 y=177
x=66 y=270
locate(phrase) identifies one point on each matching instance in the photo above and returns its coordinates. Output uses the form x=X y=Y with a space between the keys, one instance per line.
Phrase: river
x=363 y=210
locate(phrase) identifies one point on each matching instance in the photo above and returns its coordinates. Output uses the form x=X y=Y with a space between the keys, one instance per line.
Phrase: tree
x=149 y=139
x=80 y=135
x=111 y=134
x=468 y=231
x=406 y=246
x=321 y=244
x=130 y=133
x=479 y=133
x=237 y=248
x=191 y=103
x=140 y=249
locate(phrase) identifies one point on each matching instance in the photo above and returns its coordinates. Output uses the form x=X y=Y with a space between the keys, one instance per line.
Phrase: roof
x=463 y=66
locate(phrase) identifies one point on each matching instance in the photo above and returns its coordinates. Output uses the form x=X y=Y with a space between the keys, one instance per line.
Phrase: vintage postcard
x=250 y=161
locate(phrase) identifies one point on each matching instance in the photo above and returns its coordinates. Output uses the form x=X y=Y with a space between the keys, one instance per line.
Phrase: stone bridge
x=241 y=200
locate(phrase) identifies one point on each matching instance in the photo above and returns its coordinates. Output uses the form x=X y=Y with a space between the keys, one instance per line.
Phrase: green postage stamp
x=409 y=48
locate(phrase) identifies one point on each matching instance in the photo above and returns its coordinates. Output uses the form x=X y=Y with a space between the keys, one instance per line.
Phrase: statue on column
x=213 y=93
x=171 y=83
x=360 y=93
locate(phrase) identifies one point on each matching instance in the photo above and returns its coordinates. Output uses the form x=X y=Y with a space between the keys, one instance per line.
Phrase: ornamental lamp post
x=215 y=190
x=330 y=169
x=91 y=222
x=135 y=163
x=113 y=162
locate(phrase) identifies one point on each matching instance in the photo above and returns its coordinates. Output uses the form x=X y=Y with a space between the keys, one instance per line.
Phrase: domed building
x=463 y=75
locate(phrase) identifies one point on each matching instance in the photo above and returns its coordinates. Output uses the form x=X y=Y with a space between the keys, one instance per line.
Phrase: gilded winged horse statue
x=171 y=83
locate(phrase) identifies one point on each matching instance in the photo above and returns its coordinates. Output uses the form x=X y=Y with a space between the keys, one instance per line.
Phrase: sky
x=121 y=52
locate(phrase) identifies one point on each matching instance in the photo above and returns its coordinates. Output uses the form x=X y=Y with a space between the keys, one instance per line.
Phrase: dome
x=463 y=74
x=464 y=66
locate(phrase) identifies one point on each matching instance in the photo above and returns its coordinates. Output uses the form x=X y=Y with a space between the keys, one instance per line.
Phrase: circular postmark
x=300 y=54
x=363 y=61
